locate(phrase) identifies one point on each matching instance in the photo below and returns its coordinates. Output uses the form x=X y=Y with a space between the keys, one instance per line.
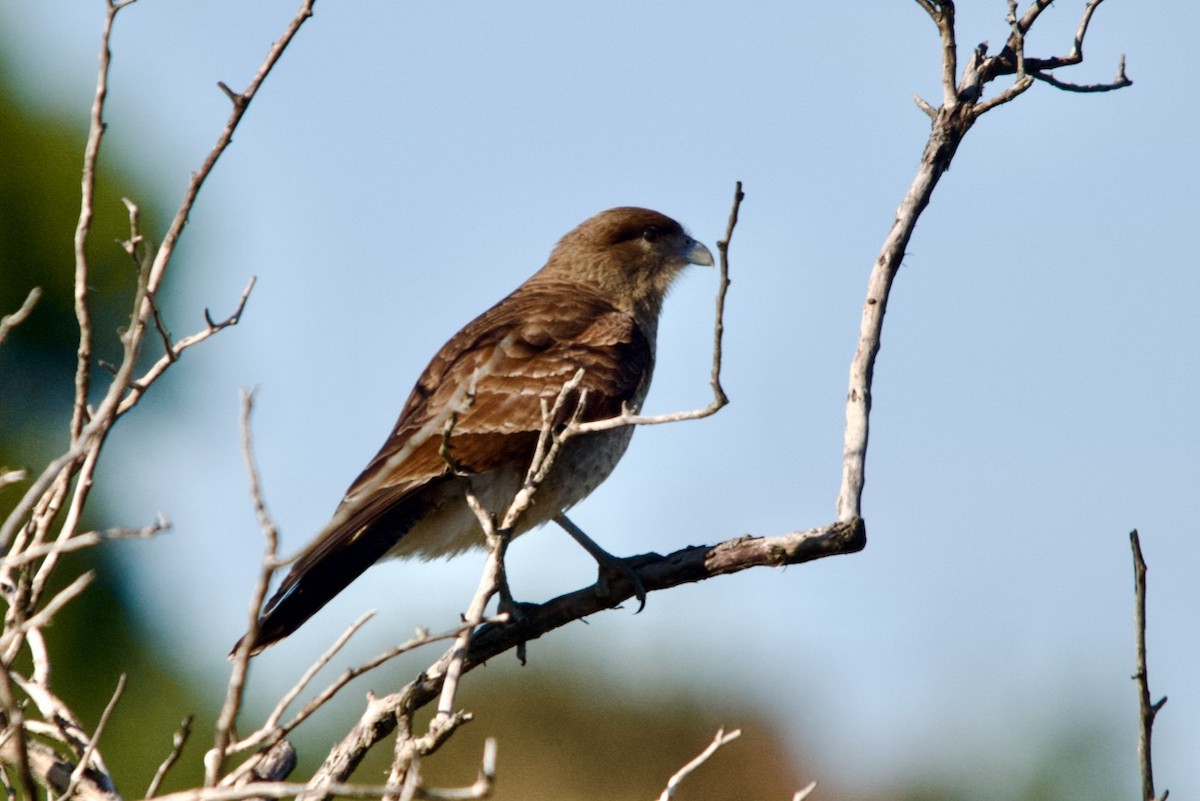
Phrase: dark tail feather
x=343 y=556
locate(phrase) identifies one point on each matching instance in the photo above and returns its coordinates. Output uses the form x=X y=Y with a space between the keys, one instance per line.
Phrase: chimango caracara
x=594 y=307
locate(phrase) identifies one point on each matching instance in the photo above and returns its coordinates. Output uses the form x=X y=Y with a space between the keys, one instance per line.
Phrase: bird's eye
x=652 y=234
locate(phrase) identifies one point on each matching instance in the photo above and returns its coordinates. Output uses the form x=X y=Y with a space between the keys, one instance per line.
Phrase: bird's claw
x=616 y=568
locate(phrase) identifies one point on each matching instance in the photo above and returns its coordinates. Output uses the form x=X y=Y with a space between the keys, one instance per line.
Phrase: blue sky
x=409 y=164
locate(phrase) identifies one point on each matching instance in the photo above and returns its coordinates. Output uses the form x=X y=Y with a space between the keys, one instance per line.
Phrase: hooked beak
x=697 y=253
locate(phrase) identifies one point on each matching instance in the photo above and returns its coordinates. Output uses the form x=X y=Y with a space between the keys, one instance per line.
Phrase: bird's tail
x=338 y=559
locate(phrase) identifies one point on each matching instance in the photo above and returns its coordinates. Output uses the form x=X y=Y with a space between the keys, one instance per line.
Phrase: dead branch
x=962 y=105
x=178 y=741
x=687 y=565
x=721 y=739
x=1147 y=710
x=10 y=321
x=239 y=670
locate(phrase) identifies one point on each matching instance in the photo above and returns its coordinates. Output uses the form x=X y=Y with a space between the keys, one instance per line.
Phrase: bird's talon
x=620 y=568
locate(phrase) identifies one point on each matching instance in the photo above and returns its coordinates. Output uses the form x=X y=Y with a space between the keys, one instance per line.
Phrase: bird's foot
x=613 y=569
x=514 y=609
x=616 y=569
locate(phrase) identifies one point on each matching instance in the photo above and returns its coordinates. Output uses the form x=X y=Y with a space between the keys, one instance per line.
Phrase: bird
x=589 y=317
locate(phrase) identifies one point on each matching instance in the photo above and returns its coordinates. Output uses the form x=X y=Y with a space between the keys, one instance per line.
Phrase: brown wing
x=526 y=348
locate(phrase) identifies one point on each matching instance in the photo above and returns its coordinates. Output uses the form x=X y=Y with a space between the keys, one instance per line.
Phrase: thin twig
x=1147 y=710
x=14 y=732
x=1120 y=82
x=489 y=584
x=11 y=477
x=278 y=790
x=91 y=154
x=142 y=383
x=178 y=741
x=805 y=793
x=90 y=750
x=48 y=611
x=10 y=321
x=281 y=706
x=272 y=731
x=240 y=103
x=239 y=670
x=86 y=540
x=719 y=398
x=721 y=739
x=482 y=788
x=90 y=436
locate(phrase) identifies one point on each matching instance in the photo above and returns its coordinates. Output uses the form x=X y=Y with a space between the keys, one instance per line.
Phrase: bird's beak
x=697 y=253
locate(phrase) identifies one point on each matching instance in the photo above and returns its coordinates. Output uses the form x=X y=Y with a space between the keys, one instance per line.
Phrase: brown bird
x=593 y=307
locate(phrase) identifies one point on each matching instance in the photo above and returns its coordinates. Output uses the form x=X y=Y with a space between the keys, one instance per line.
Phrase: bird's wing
x=517 y=354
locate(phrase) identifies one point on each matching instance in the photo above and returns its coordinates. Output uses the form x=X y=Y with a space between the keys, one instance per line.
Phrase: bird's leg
x=608 y=563
x=506 y=604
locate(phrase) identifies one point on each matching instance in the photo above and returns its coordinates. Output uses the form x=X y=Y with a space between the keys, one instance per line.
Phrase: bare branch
x=1039 y=67
x=91 y=154
x=278 y=790
x=64 y=596
x=1148 y=710
x=138 y=388
x=44 y=765
x=276 y=715
x=15 y=747
x=923 y=104
x=1032 y=13
x=721 y=739
x=482 y=788
x=85 y=540
x=489 y=583
x=178 y=740
x=240 y=102
x=215 y=758
x=272 y=730
x=90 y=750
x=805 y=793
x=1011 y=93
x=1016 y=43
x=1120 y=82
x=11 y=477
x=10 y=321
x=91 y=436
x=687 y=565
x=942 y=13
x=719 y=396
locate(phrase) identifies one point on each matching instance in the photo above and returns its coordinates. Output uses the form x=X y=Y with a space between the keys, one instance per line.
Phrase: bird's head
x=630 y=254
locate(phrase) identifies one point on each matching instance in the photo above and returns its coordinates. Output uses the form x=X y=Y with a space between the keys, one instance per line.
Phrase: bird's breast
x=451 y=526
